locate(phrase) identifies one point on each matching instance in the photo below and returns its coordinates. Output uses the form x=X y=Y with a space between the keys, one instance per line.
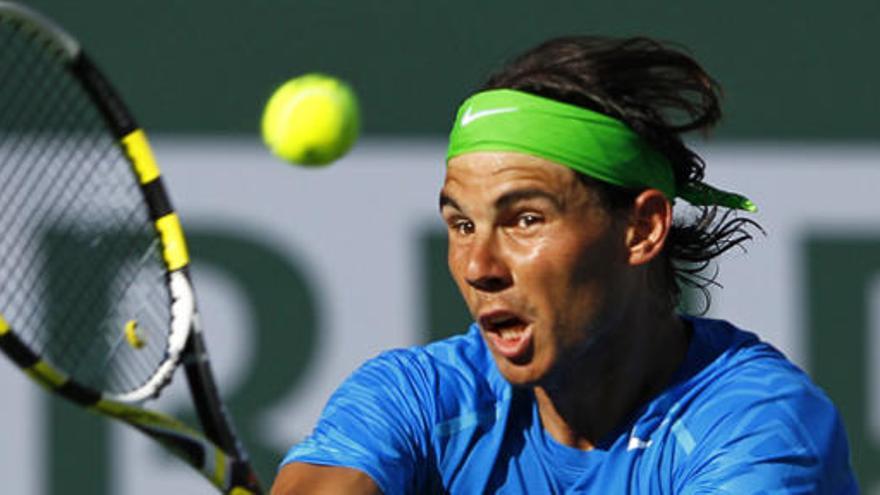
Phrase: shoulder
x=753 y=415
x=382 y=417
x=741 y=371
x=465 y=351
x=440 y=379
x=463 y=356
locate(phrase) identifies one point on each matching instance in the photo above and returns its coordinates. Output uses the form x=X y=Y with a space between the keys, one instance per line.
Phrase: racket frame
x=217 y=454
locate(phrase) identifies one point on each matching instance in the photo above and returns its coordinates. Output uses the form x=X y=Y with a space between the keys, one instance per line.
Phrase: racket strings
x=118 y=344
x=81 y=257
x=18 y=112
x=13 y=149
x=70 y=343
x=140 y=363
x=72 y=336
x=28 y=113
x=28 y=167
x=29 y=181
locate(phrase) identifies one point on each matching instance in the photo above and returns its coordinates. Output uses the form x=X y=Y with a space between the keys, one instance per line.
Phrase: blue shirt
x=737 y=418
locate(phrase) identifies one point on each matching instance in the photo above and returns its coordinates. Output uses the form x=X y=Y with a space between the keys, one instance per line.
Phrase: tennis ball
x=313 y=119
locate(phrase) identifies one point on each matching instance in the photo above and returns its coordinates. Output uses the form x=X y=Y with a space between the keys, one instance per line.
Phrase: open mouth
x=507 y=332
x=507 y=325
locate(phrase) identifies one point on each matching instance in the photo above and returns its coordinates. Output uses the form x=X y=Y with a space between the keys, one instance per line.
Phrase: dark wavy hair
x=660 y=92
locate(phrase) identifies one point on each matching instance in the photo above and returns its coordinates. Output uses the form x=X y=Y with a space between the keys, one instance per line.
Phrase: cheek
x=456 y=260
x=557 y=262
x=573 y=281
x=543 y=279
x=597 y=280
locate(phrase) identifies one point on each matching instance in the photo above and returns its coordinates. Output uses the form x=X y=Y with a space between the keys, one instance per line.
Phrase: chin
x=527 y=374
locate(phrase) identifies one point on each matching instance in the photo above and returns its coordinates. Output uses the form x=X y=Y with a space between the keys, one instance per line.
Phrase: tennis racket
x=96 y=302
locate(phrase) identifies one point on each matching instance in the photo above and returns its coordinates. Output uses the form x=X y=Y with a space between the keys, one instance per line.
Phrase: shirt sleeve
x=377 y=422
x=788 y=441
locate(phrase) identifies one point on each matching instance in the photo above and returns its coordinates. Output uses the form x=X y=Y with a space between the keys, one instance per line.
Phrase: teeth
x=510 y=334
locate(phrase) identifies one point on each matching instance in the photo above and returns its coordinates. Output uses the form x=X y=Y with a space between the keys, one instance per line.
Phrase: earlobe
x=649 y=225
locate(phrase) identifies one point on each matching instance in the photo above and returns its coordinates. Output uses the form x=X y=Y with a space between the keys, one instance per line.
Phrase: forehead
x=496 y=172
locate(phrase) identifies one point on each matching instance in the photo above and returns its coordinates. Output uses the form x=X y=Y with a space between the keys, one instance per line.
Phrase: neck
x=606 y=384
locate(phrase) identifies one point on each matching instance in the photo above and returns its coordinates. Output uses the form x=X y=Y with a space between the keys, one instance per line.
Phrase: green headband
x=588 y=142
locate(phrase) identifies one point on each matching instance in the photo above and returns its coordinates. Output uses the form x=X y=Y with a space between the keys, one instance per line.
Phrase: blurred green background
x=792 y=70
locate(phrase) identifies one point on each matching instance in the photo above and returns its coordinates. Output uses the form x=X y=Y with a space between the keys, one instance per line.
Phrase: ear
x=649 y=225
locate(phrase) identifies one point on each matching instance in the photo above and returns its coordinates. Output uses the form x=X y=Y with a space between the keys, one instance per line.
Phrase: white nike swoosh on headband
x=470 y=116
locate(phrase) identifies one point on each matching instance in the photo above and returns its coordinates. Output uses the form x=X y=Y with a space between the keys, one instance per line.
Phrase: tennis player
x=578 y=374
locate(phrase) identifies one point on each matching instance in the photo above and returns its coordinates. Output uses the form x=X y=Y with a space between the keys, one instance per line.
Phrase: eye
x=526 y=220
x=462 y=226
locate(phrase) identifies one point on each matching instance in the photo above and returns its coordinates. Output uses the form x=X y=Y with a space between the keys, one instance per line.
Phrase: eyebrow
x=510 y=198
x=447 y=201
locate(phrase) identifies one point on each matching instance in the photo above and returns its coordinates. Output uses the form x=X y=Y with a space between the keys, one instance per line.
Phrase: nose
x=487 y=271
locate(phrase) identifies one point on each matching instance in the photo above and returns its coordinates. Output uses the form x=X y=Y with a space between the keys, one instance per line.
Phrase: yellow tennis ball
x=311 y=120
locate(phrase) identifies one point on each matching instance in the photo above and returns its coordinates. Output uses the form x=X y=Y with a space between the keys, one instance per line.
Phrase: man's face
x=538 y=260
